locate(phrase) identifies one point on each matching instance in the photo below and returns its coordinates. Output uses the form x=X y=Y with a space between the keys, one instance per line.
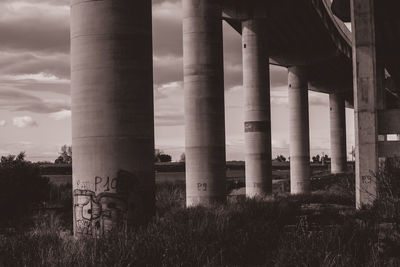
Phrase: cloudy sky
x=35 y=101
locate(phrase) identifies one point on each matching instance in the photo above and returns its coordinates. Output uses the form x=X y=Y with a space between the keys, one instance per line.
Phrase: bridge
x=112 y=97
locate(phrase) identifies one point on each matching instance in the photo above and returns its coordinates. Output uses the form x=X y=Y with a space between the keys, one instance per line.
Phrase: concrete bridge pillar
x=299 y=133
x=112 y=115
x=338 y=133
x=366 y=92
x=204 y=102
x=257 y=124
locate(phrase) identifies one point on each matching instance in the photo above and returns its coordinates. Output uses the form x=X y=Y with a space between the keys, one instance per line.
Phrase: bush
x=21 y=187
x=388 y=191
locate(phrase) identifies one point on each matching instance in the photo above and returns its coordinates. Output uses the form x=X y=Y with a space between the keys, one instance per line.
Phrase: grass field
x=173 y=172
x=321 y=229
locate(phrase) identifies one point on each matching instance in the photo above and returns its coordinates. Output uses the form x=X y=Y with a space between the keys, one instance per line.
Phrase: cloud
x=34 y=53
x=318 y=99
x=34 y=26
x=64 y=3
x=169 y=119
x=45 y=106
x=24 y=122
x=158 y=2
x=61 y=115
x=29 y=63
x=167 y=28
x=3 y=123
x=12 y=99
x=167 y=69
x=169 y=104
x=279 y=96
x=35 y=86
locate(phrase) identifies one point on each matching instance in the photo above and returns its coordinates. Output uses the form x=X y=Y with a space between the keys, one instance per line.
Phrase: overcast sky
x=35 y=103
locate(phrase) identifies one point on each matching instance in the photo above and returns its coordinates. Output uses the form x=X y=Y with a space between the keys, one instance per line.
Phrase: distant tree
x=316 y=159
x=21 y=187
x=65 y=155
x=281 y=158
x=165 y=158
x=183 y=157
x=44 y=162
x=160 y=156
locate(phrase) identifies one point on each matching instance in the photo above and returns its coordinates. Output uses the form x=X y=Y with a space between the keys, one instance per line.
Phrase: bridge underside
x=388 y=34
x=306 y=34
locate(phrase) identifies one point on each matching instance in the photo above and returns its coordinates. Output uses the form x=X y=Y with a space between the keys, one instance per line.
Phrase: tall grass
x=246 y=232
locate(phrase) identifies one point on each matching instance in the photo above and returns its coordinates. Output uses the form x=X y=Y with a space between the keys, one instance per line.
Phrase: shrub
x=21 y=187
x=388 y=191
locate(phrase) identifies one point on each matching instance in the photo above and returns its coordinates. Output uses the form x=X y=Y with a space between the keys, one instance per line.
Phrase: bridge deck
x=304 y=32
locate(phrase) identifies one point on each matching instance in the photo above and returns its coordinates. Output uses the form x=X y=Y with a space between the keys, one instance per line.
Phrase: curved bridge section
x=306 y=34
x=388 y=32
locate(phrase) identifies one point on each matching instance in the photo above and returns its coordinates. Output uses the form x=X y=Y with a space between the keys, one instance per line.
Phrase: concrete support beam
x=299 y=132
x=257 y=108
x=338 y=133
x=204 y=102
x=366 y=92
x=112 y=115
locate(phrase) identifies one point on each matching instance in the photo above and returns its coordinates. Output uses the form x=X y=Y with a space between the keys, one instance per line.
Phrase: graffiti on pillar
x=96 y=215
x=101 y=211
x=367 y=179
x=202 y=186
x=105 y=184
x=257 y=185
x=255 y=126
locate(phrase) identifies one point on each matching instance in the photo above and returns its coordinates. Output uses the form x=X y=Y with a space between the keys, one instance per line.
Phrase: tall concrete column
x=204 y=102
x=365 y=99
x=338 y=133
x=257 y=108
x=299 y=132
x=112 y=115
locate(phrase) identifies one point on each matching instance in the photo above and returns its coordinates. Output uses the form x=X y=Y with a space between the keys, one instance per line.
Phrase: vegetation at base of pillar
x=320 y=229
x=387 y=204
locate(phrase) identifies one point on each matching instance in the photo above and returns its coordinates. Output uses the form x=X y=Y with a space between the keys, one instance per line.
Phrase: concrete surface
x=257 y=125
x=337 y=133
x=112 y=115
x=365 y=100
x=204 y=102
x=299 y=132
